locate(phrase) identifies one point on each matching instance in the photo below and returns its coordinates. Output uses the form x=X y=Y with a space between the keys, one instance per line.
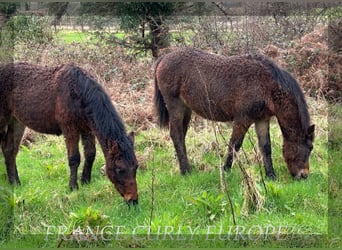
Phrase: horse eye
x=120 y=171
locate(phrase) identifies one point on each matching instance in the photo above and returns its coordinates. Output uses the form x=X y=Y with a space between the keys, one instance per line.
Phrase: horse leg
x=263 y=133
x=2 y=133
x=186 y=120
x=10 y=146
x=4 y=120
x=74 y=158
x=179 y=121
x=235 y=142
x=88 y=141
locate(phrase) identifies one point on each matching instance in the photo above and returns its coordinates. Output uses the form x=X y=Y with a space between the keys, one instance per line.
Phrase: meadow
x=173 y=211
x=47 y=214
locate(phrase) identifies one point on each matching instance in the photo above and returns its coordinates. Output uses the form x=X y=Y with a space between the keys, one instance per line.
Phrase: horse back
x=216 y=87
x=32 y=96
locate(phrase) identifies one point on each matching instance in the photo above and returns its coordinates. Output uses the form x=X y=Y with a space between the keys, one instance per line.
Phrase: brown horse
x=65 y=100
x=242 y=89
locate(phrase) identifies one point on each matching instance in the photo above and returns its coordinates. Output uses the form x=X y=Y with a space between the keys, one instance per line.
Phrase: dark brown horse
x=65 y=100
x=242 y=89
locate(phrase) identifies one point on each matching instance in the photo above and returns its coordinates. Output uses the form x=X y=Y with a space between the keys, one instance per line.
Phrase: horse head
x=121 y=167
x=297 y=154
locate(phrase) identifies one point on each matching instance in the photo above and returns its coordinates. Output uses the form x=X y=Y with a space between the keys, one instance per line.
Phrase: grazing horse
x=65 y=100
x=243 y=89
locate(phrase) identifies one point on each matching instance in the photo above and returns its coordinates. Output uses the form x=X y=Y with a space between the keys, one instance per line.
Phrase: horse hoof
x=85 y=181
x=185 y=171
x=15 y=182
x=73 y=187
x=227 y=168
x=271 y=176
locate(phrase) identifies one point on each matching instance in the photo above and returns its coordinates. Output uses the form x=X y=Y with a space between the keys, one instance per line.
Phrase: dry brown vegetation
x=315 y=64
x=129 y=80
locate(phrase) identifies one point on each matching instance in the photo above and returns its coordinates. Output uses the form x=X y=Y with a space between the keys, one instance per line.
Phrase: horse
x=242 y=89
x=66 y=100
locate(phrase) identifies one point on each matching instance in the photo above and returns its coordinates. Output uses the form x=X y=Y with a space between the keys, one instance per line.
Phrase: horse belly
x=39 y=123
x=208 y=109
x=210 y=103
x=36 y=111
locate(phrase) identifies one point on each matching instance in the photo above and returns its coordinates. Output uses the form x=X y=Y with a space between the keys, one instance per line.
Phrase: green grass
x=335 y=173
x=72 y=36
x=187 y=204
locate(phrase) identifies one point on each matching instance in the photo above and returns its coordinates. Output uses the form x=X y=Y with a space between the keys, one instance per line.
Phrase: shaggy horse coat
x=65 y=100
x=241 y=89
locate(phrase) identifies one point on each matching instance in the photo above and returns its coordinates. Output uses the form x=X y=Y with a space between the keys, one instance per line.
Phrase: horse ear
x=311 y=132
x=131 y=136
x=113 y=148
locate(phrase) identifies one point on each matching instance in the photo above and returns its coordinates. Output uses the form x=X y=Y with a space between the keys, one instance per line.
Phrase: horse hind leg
x=88 y=141
x=10 y=142
x=2 y=133
x=235 y=142
x=262 y=130
x=4 y=120
x=186 y=120
x=180 y=116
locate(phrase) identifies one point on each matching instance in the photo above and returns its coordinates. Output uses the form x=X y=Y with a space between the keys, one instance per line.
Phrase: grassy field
x=72 y=36
x=335 y=173
x=173 y=210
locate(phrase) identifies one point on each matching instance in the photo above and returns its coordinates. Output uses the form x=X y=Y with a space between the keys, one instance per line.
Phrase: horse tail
x=289 y=84
x=159 y=103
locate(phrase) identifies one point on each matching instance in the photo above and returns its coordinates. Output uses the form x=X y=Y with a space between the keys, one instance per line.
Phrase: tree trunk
x=159 y=35
x=155 y=28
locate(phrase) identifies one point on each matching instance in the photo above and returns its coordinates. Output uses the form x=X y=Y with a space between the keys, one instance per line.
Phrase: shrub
x=30 y=29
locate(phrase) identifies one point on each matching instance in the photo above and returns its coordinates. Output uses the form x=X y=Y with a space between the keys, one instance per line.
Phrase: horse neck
x=105 y=142
x=290 y=122
x=106 y=125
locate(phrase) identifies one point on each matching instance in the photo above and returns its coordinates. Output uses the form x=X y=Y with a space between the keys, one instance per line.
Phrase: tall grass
x=335 y=163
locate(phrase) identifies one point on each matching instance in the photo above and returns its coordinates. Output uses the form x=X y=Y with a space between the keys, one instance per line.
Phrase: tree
x=146 y=18
x=6 y=11
x=151 y=16
x=58 y=9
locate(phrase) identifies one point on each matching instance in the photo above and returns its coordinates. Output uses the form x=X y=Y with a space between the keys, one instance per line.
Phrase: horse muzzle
x=132 y=202
x=302 y=174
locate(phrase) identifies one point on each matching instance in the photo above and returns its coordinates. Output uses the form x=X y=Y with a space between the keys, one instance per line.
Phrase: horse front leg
x=235 y=142
x=74 y=158
x=88 y=141
x=10 y=142
x=263 y=133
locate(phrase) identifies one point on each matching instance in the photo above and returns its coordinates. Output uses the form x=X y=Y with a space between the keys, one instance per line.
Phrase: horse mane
x=99 y=109
x=288 y=83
